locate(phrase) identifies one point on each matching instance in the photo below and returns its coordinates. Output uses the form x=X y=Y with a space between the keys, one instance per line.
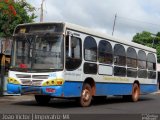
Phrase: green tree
x=14 y=13
x=147 y=39
x=143 y=38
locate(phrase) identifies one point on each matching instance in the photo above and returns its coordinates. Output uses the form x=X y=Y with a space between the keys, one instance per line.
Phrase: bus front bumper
x=40 y=90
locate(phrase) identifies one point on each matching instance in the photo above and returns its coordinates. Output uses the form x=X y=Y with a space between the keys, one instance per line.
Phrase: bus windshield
x=38 y=52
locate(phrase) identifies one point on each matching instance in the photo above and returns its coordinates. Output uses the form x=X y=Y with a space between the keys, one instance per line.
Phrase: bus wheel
x=135 y=92
x=42 y=99
x=86 y=95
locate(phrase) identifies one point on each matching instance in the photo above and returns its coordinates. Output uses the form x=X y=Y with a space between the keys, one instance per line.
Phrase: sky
x=133 y=16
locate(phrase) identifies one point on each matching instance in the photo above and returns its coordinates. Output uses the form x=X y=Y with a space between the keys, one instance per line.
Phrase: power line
x=139 y=21
x=133 y=25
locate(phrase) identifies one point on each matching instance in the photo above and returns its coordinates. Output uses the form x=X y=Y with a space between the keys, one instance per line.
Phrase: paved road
x=113 y=105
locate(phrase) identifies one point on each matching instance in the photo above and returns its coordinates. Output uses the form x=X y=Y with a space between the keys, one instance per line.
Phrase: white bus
x=64 y=60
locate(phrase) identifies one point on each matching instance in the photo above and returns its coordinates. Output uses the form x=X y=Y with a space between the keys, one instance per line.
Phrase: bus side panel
x=72 y=89
x=122 y=89
x=113 y=89
x=148 y=88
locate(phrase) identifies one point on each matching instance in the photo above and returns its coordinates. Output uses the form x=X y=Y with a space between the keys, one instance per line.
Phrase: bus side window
x=73 y=61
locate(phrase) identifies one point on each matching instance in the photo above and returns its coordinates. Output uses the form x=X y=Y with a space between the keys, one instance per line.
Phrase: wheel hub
x=85 y=95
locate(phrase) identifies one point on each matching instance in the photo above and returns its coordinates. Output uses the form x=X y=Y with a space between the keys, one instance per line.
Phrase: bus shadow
x=63 y=103
x=119 y=99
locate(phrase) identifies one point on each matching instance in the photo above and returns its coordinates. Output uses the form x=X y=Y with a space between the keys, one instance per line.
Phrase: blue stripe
x=113 y=89
x=13 y=89
x=122 y=89
x=145 y=89
x=73 y=89
x=18 y=89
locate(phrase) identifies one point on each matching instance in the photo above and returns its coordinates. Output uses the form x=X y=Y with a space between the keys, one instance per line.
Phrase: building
x=5 y=55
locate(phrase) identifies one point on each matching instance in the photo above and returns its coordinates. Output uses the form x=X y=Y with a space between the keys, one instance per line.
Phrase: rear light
x=50 y=90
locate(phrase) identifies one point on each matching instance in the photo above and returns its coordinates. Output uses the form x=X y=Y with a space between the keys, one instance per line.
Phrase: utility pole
x=154 y=37
x=41 y=16
x=114 y=23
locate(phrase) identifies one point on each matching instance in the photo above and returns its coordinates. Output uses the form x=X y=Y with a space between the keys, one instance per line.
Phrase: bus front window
x=48 y=53
x=38 y=52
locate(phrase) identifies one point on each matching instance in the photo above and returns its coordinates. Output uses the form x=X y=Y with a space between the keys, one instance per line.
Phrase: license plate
x=31 y=90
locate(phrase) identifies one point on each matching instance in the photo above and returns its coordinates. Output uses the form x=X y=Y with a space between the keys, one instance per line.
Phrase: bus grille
x=32 y=80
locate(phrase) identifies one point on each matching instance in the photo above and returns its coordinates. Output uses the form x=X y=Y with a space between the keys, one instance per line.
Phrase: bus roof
x=102 y=35
x=98 y=34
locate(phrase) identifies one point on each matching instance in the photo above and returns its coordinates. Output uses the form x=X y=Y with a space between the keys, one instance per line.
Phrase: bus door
x=73 y=47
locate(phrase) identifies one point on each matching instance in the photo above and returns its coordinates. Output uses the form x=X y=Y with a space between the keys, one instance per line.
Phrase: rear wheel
x=42 y=99
x=86 y=95
x=135 y=92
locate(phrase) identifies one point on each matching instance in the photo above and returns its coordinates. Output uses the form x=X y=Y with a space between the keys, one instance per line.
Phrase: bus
x=64 y=60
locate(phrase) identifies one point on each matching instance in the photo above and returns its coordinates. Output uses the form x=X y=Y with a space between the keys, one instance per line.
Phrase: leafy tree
x=14 y=13
x=150 y=40
x=158 y=34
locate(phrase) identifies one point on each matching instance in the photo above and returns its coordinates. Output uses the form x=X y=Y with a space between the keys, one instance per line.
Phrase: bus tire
x=135 y=92
x=42 y=99
x=86 y=95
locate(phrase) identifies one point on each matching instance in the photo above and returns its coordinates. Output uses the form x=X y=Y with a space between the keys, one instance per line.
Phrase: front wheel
x=42 y=99
x=86 y=95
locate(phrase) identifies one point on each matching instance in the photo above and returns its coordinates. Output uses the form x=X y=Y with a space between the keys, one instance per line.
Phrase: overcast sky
x=132 y=15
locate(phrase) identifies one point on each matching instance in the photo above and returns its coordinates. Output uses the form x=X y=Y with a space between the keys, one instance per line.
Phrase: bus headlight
x=13 y=81
x=51 y=82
